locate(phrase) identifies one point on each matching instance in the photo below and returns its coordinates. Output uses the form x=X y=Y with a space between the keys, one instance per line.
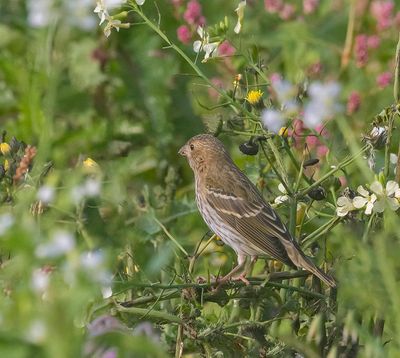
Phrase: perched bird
x=235 y=210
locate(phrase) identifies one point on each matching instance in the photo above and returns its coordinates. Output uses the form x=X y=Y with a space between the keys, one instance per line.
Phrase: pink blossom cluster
x=361 y=50
x=287 y=11
x=353 y=102
x=383 y=80
x=313 y=140
x=193 y=17
x=382 y=11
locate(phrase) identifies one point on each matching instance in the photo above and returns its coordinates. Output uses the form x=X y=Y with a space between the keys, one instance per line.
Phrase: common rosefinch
x=234 y=209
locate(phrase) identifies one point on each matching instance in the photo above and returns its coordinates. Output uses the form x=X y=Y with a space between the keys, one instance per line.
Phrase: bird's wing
x=244 y=209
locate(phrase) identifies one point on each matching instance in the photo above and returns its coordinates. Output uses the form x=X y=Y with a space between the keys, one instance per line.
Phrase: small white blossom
x=240 y=13
x=286 y=94
x=36 y=332
x=6 y=221
x=272 y=120
x=112 y=23
x=322 y=103
x=204 y=44
x=344 y=206
x=106 y=292
x=281 y=198
x=389 y=195
x=40 y=280
x=45 y=194
x=61 y=243
x=365 y=199
x=140 y=2
x=393 y=158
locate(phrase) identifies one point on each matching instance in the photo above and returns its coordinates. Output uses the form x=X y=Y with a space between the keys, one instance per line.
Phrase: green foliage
x=102 y=250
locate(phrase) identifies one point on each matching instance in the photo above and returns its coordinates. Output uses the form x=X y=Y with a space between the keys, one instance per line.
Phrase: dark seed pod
x=15 y=145
x=317 y=193
x=310 y=162
x=2 y=172
x=249 y=148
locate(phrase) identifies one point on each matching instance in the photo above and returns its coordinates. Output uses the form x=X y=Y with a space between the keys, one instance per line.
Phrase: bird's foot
x=242 y=277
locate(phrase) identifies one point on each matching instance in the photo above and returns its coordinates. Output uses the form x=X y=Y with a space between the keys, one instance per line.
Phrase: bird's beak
x=182 y=151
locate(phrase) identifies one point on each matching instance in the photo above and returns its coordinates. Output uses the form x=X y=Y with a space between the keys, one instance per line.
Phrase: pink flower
x=273 y=6
x=321 y=129
x=226 y=49
x=296 y=133
x=275 y=77
x=384 y=79
x=322 y=150
x=353 y=102
x=343 y=181
x=312 y=141
x=287 y=12
x=382 y=11
x=183 y=33
x=373 y=41
x=217 y=82
x=193 y=14
x=361 y=50
x=309 y=6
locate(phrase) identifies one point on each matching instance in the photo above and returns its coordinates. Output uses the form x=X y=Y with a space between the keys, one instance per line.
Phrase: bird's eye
x=191 y=147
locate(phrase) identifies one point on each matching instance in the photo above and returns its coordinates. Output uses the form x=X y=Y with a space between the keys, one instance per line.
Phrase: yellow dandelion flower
x=90 y=163
x=6 y=165
x=5 y=148
x=283 y=132
x=254 y=97
x=90 y=166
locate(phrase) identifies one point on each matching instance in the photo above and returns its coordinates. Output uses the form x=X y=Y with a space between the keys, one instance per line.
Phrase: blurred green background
x=79 y=238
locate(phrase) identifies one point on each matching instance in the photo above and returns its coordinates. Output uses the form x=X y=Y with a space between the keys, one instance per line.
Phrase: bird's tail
x=301 y=260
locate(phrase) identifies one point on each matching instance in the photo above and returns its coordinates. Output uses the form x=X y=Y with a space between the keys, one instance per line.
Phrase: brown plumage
x=234 y=209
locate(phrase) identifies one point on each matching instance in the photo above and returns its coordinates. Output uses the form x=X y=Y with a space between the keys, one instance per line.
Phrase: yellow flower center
x=5 y=148
x=254 y=96
x=283 y=132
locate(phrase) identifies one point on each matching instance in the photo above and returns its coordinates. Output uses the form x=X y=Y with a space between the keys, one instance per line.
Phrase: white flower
x=106 y=292
x=389 y=195
x=6 y=221
x=285 y=93
x=40 y=280
x=61 y=243
x=393 y=158
x=37 y=332
x=273 y=120
x=89 y=189
x=39 y=12
x=240 y=13
x=140 y=2
x=103 y=14
x=101 y=11
x=45 y=194
x=204 y=45
x=365 y=199
x=344 y=206
x=282 y=198
x=322 y=103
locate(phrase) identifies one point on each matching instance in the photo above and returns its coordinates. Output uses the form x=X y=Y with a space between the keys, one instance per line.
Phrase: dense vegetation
x=103 y=251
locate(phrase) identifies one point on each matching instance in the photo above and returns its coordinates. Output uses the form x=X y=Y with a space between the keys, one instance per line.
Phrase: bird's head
x=201 y=149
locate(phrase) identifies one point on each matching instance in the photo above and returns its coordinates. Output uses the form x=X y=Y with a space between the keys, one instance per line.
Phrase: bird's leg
x=247 y=271
x=239 y=267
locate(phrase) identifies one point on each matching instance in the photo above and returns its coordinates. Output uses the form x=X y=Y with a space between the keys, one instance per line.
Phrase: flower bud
x=249 y=148
x=5 y=148
x=317 y=193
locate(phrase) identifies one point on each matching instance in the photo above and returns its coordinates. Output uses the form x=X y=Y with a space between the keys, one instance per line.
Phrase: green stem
x=340 y=166
x=387 y=146
x=308 y=240
x=154 y=315
x=178 y=245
